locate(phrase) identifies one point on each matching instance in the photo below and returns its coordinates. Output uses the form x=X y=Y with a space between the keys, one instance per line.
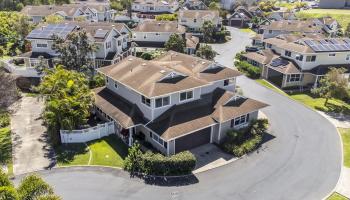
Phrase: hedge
x=250 y=70
x=240 y=142
x=150 y=163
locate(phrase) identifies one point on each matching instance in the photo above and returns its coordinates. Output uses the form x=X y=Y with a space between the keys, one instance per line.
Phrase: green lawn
x=6 y=148
x=334 y=105
x=107 y=151
x=336 y=196
x=345 y=134
x=267 y=84
x=341 y=15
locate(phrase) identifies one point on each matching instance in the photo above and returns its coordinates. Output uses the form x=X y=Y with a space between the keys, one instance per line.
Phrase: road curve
x=303 y=161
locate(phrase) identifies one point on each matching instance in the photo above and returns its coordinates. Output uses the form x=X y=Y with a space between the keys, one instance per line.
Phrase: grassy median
x=337 y=196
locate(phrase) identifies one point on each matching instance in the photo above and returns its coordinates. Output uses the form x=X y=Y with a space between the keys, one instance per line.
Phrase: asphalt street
x=302 y=159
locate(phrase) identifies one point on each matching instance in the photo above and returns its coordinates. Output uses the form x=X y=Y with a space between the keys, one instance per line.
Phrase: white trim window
x=347 y=57
x=146 y=101
x=238 y=121
x=310 y=58
x=108 y=45
x=41 y=45
x=331 y=54
x=158 y=139
x=115 y=85
x=288 y=53
x=294 y=78
x=162 y=101
x=299 y=57
x=184 y=96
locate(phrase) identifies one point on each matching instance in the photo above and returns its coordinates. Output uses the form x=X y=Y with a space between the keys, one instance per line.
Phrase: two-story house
x=156 y=33
x=175 y=102
x=91 y=12
x=294 y=61
x=328 y=24
x=276 y=28
x=242 y=16
x=282 y=15
x=194 y=5
x=193 y=19
x=112 y=41
x=155 y=6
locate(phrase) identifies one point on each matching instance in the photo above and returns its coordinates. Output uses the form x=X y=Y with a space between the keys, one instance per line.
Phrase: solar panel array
x=100 y=33
x=61 y=30
x=279 y=62
x=329 y=45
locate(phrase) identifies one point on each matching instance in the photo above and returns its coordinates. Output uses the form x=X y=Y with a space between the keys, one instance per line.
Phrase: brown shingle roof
x=118 y=108
x=191 y=41
x=160 y=26
x=293 y=26
x=263 y=57
x=209 y=110
x=147 y=77
x=197 y=14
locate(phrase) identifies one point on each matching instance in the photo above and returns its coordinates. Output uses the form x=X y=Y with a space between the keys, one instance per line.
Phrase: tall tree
x=53 y=19
x=31 y=187
x=8 y=90
x=75 y=52
x=205 y=51
x=175 y=43
x=68 y=100
x=208 y=30
x=333 y=85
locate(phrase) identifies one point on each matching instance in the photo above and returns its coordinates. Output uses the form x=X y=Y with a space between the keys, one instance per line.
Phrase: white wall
x=151 y=36
x=85 y=135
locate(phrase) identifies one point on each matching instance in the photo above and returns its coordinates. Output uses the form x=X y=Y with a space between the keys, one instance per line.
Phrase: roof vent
x=203 y=63
x=144 y=64
x=162 y=71
x=130 y=59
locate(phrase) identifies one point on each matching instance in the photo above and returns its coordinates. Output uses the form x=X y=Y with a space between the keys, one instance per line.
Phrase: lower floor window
x=239 y=120
x=159 y=140
x=294 y=77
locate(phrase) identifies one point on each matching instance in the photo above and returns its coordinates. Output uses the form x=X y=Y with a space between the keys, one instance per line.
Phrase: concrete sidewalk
x=343 y=186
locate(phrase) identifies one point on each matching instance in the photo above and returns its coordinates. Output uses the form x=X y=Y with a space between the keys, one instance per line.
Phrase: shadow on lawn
x=5 y=145
x=334 y=108
x=65 y=153
x=117 y=144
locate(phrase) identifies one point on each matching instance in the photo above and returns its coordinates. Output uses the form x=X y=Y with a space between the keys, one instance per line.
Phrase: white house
x=111 y=39
x=176 y=102
x=155 y=6
x=194 y=19
x=299 y=60
x=194 y=5
x=91 y=12
x=156 y=33
x=334 y=4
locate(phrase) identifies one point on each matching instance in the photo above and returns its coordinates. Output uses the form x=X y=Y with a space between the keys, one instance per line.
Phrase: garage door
x=193 y=140
x=236 y=23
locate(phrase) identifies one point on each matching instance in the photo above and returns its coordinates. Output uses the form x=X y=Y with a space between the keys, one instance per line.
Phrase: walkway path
x=30 y=148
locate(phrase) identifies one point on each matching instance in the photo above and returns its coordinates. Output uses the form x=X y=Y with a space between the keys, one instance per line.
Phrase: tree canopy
x=8 y=90
x=206 y=51
x=208 y=30
x=75 y=51
x=68 y=100
x=333 y=85
x=17 y=5
x=31 y=187
x=175 y=43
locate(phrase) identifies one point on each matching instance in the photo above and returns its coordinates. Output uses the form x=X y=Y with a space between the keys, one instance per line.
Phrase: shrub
x=248 y=69
x=166 y=17
x=240 y=142
x=150 y=163
x=4 y=119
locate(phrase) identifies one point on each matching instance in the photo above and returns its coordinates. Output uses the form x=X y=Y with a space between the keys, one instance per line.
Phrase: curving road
x=303 y=161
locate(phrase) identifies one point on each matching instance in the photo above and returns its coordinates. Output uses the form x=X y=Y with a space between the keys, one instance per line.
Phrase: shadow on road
x=168 y=181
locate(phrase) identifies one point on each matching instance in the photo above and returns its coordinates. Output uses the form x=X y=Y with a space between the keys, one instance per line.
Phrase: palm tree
x=31 y=187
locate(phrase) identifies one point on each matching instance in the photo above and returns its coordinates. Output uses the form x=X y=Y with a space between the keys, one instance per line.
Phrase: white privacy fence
x=85 y=135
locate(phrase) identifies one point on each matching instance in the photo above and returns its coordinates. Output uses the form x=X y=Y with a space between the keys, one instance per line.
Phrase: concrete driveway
x=30 y=147
x=303 y=161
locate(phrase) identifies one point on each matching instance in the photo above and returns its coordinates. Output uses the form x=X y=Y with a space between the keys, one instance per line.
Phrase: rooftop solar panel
x=46 y=32
x=334 y=41
x=347 y=40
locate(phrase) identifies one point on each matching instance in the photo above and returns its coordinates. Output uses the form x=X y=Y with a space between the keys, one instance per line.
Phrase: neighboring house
x=92 y=12
x=276 y=28
x=192 y=43
x=227 y=4
x=111 y=40
x=193 y=19
x=176 y=102
x=282 y=15
x=242 y=17
x=329 y=25
x=334 y=4
x=156 y=33
x=194 y=5
x=300 y=60
x=155 y=6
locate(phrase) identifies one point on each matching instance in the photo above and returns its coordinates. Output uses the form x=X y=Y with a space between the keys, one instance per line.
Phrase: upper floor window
x=239 y=120
x=270 y=31
x=300 y=57
x=348 y=57
x=310 y=58
x=186 y=95
x=226 y=82
x=116 y=85
x=288 y=53
x=156 y=138
x=269 y=46
x=40 y=45
x=108 y=45
x=119 y=42
x=331 y=54
x=146 y=101
x=163 y=101
x=194 y=20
